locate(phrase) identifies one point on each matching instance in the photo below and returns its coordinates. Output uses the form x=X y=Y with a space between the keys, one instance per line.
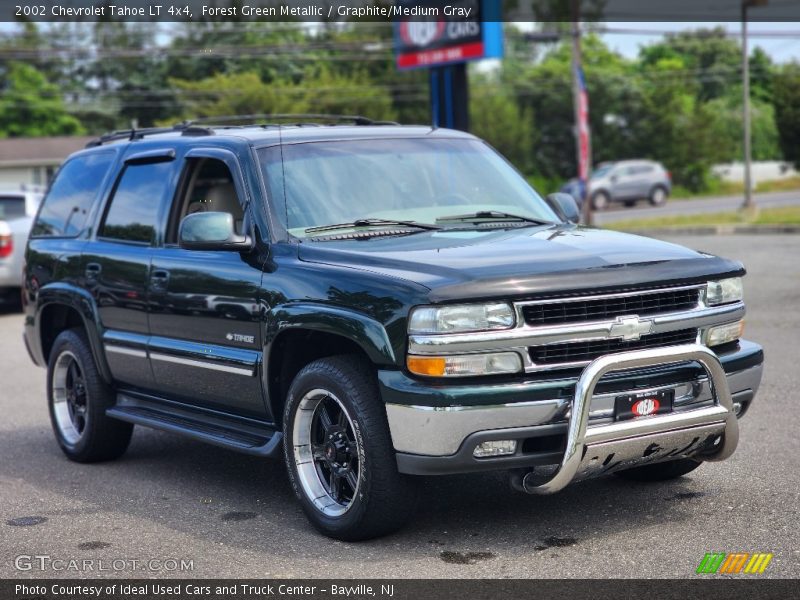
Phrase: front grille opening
x=599 y=309
x=544 y=443
x=571 y=352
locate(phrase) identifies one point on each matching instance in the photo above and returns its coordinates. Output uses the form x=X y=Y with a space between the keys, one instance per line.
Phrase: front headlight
x=724 y=291
x=461 y=318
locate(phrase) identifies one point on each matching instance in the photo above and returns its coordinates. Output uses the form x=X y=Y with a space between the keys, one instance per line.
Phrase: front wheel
x=658 y=197
x=600 y=201
x=660 y=471
x=339 y=453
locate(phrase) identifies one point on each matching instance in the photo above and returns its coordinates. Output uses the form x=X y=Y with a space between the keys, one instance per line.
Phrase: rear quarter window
x=68 y=203
x=12 y=207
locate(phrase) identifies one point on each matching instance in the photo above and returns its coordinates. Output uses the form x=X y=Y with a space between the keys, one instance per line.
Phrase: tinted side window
x=70 y=199
x=133 y=213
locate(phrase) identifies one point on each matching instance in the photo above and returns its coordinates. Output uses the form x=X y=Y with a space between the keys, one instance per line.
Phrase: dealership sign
x=453 y=32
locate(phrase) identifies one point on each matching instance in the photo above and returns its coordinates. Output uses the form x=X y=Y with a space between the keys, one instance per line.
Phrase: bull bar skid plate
x=627 y=438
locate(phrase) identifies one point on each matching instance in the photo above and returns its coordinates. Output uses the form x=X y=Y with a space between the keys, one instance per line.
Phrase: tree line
x=679 y=101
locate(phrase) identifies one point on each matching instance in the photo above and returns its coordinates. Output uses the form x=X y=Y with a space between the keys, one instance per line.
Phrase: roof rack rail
x=299 y=117
x=131 y=134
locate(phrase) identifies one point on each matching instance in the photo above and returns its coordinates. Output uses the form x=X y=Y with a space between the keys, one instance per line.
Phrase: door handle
x=93 y=270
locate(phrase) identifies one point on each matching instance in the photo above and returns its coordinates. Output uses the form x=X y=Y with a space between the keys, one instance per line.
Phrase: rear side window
x=133 y=213
x=67 y=205
x=12 y=207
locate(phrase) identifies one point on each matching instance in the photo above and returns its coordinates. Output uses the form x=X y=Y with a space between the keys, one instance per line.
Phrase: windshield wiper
x=370 y=223
x=485 y=215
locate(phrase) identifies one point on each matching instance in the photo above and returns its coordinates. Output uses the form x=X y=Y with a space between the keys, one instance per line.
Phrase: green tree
x=497 y=118
x=677 y=125
x=786 y=94
x=30 y=106
x=727 y=128
x=320 y=91
x=709 y=57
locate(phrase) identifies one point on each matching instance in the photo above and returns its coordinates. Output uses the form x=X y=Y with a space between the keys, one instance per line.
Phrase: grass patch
x=785 y=215
x=729 y=188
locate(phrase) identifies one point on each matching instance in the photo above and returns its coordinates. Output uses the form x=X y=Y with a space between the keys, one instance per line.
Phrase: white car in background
x=17 y=209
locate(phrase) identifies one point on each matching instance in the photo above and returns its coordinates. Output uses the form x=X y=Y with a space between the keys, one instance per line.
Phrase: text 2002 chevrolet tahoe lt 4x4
x=373 y=302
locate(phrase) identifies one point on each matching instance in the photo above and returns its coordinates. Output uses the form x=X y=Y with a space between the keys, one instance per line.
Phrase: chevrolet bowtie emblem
x=630 y=328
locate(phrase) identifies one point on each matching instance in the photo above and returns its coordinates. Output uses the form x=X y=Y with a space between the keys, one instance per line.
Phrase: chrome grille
x=581 y=352
x=648 y=302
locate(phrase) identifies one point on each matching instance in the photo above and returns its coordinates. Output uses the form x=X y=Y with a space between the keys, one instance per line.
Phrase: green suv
x=372 y=302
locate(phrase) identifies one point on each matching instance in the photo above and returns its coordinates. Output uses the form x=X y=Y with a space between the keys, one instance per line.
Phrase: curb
x=717 y=230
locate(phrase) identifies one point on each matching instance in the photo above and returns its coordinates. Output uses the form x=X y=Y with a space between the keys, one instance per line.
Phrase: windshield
x=601 y=171
x=12 y=207
x=421 y=180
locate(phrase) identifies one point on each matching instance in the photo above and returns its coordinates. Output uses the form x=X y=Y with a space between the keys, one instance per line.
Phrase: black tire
x=658 y=196
x=94 y=437
x=601 y=200
x=382 y=499
x=660 y=471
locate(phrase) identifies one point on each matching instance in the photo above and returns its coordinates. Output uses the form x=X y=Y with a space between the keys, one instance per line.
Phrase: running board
x=241 y=435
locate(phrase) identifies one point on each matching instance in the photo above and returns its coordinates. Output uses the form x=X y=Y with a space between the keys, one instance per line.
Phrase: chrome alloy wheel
x=326 y=452
x=69 y=398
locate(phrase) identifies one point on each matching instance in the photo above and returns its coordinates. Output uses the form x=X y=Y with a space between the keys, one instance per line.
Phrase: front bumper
x=435 y=428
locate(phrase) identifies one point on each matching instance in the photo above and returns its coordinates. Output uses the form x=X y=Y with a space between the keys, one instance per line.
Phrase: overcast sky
x=783 y=47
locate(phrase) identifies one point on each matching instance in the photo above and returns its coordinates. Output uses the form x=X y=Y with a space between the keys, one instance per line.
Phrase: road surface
x=235 y=516
x=672 y=208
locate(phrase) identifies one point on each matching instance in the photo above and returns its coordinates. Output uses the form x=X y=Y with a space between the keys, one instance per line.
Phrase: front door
x=205 y=344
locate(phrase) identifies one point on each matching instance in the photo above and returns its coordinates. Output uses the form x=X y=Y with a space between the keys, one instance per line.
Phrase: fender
x=84 y=304
x=368 y=333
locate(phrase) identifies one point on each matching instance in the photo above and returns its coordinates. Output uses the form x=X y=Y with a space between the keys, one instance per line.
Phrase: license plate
x=642 y=404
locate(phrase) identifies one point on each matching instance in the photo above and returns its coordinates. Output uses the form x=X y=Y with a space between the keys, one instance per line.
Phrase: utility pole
x=581 y=111
x=748 y=204
x=748 y=181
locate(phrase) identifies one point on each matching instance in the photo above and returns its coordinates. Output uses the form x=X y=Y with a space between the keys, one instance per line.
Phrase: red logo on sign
x=645 y=407
x=421 y=33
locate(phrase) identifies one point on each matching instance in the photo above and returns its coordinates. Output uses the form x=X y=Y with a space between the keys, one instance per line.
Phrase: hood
x=520 y=262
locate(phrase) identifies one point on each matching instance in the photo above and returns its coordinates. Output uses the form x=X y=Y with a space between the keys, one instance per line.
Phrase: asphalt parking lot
x=234 y=516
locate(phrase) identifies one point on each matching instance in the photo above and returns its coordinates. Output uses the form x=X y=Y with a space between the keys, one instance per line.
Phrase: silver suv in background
x=18 y=207
x=629 y=181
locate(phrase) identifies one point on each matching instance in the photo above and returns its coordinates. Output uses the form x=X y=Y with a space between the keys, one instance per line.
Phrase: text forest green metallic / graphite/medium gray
x=226 y=341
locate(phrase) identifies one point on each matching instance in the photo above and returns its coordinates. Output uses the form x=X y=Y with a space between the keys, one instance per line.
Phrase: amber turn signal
x=432 y=366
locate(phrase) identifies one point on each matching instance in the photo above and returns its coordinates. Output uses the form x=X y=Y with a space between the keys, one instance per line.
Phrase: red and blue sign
x=468 y=30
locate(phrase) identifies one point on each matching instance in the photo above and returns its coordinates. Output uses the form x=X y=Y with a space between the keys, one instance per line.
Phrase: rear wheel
x=78 y=398
x=339 y=453
x=658 y=196
x=600 y=200
x=660 y=471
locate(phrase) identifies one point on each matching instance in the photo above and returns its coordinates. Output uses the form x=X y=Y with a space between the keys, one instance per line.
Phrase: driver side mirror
x=212 y=231
x=564 y=206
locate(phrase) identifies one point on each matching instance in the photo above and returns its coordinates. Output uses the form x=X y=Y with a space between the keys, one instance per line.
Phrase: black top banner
x=390 y=10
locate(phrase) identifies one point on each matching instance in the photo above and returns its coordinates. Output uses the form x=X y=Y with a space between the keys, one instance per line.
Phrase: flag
x=584 y=140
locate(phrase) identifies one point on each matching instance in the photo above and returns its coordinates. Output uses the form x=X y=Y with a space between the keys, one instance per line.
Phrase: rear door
x=204 y=308
x=643 y=177
x=117 y=264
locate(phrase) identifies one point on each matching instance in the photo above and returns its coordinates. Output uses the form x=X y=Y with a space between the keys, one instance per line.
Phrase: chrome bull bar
x=719 y=418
